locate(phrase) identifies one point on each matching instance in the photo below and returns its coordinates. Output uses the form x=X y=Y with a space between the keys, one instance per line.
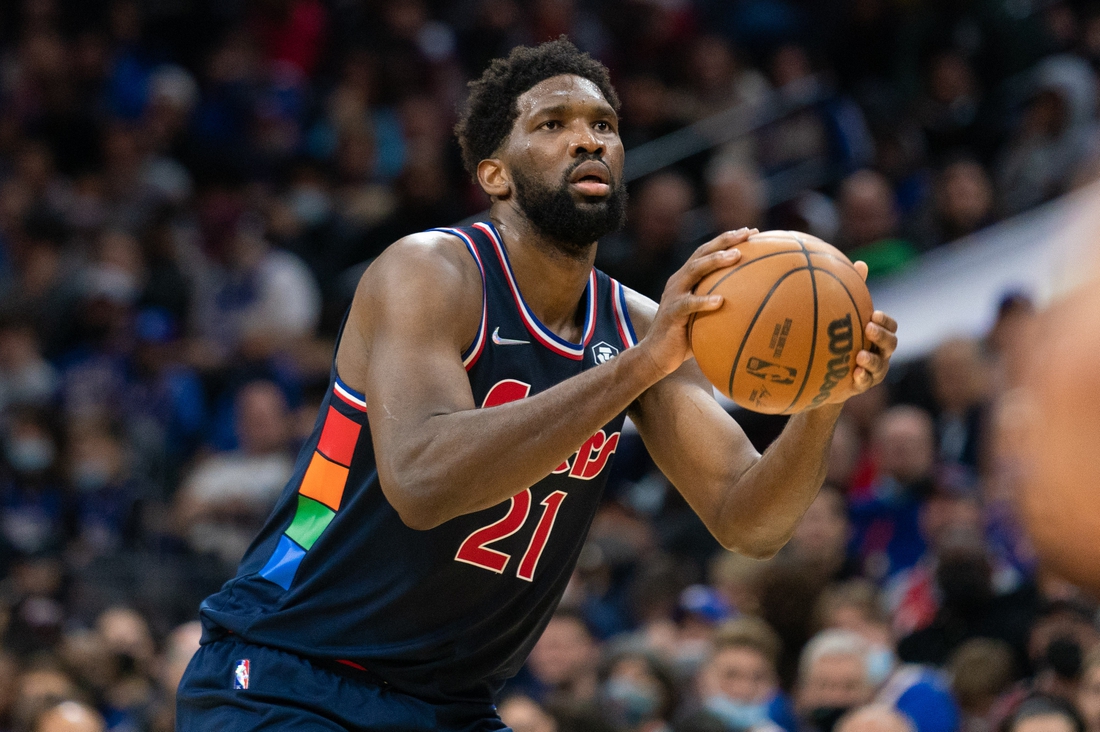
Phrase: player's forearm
x=465 y=461
x=760 y=511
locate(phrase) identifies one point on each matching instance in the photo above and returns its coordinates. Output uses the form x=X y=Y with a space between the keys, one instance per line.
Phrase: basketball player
x=479 y=388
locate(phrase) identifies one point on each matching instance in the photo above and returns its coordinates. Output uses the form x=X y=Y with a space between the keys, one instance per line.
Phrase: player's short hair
x=490 y=110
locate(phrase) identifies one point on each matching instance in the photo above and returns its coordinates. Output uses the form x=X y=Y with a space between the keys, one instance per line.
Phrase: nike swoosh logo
x=506 y=341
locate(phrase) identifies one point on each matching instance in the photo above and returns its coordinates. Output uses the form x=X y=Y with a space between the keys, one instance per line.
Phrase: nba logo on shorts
x=240 y=674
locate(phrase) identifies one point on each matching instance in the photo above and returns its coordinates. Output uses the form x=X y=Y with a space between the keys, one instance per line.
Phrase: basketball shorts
x=232 y=685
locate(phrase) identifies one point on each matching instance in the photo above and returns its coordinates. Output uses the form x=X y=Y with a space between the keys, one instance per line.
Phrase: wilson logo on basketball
x=840 y=346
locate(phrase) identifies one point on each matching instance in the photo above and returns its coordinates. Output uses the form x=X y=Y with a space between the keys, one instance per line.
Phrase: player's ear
x=494 y=178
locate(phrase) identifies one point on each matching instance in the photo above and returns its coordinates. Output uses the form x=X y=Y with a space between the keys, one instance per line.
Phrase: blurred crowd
x=189 y=191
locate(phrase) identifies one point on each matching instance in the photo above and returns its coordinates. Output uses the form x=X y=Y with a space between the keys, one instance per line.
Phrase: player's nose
x=585 y=142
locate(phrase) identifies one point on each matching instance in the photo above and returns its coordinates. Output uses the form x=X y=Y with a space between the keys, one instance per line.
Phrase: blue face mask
x=880 y=663
x=30 y=454
x=735 y=714
x=633 y=703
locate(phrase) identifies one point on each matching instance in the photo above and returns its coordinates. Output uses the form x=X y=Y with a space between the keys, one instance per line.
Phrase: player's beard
x=570 y=225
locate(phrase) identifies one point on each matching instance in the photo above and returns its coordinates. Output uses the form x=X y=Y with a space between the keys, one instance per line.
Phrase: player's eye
x=603 y=126
x=551 y=124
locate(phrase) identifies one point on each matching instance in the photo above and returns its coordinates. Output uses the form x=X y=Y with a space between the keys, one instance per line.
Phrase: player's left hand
x=881 y=332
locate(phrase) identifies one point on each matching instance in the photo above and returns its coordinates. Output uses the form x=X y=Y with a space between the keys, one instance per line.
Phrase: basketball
x=792 y=321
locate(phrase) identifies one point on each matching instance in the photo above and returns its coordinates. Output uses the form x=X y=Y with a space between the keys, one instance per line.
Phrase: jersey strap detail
x=319 y=494
x=349 y=396
x=542 y=334
x=622 y=315
x=470 y=357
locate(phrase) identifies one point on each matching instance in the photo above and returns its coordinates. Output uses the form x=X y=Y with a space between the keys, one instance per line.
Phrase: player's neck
x=552 y=281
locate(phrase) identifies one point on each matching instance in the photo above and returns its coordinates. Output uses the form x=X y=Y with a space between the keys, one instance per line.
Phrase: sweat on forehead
x=492 y=109
x=558 y=90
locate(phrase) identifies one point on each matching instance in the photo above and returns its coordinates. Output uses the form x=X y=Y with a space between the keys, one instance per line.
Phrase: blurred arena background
x=190 y=189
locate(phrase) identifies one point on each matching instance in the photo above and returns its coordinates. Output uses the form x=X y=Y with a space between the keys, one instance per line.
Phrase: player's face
x=566 y=161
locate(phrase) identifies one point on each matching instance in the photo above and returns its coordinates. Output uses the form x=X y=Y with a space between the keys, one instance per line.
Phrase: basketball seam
x=739 y=267
x=813 y=333
x=752 y=323
x=855 y=306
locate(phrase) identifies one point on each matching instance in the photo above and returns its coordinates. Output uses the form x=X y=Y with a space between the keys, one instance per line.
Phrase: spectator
x=562 y=665
x=970 y=606
x=835 y=677
x=832 y=679
x=1052 y=137
x=963 y=202
x=736 y=197
x=981 y=671
x=874 y=718
x=637 y=692
x=26 y=378
x=886 y=537
x=913 y=595
x=105 y=499
x=35 y=507
x=1047 y=714
x=718 y=81
x=70 y=716
x=739 y=685
x=1088 y=694
x=869 y=224
x=225 y=498
x=266 y=300
x=523 y=714
x=951 y=106
x=960 y=386
x=657 y=236
x=179 y=648
x=821 y=539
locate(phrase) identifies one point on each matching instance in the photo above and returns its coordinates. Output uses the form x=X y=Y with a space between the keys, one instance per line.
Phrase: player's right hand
x=667 y=342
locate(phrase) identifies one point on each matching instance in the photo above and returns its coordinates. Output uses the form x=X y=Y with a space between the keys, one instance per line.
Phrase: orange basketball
x=792 y=322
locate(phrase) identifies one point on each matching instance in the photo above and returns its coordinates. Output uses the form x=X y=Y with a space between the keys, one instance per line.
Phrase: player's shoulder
x=641 y=310
x=434 y=260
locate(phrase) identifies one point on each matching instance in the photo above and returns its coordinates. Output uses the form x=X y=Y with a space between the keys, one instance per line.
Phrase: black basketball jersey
x=452 y=612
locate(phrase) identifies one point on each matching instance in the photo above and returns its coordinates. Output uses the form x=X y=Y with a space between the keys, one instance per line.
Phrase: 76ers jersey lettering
x=449 y=613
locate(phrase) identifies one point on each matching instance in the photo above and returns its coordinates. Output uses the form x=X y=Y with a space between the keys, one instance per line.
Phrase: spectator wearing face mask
x=836 y=675
x=103 y=496
x=738 y=685
x=637 y=691
x=34 y=505
x=26 y=378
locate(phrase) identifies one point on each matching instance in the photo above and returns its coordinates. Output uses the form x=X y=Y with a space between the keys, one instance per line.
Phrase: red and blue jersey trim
x=349 y=396
x=542 y=334
x=622 y=315
x=470 y=357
